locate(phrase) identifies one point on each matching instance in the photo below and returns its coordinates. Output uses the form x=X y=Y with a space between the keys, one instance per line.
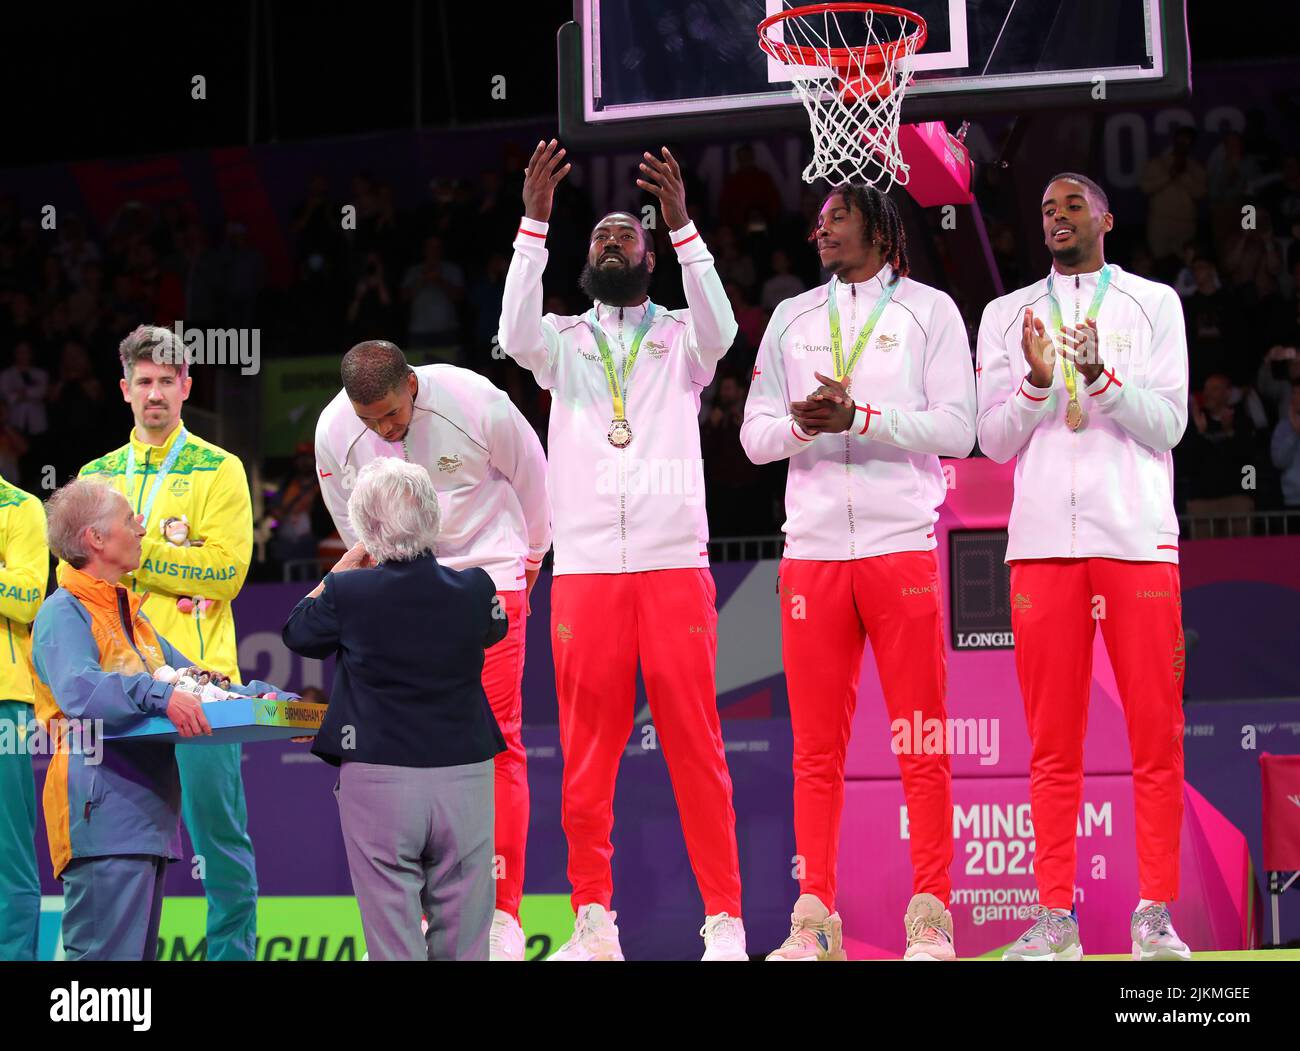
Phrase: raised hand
x=542 y=175
x=1038 y=350
x=663 y=178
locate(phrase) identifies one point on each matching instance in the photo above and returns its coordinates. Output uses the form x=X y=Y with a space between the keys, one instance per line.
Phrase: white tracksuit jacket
x=1106 y=490
x=874 y=489
x=485 y=461
x=641 y=507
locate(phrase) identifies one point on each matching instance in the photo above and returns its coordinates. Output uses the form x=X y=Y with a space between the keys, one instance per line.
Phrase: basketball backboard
x=639 y=69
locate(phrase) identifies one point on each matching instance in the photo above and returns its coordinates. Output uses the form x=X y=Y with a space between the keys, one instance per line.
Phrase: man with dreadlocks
x=888 y=364
x=488 y=467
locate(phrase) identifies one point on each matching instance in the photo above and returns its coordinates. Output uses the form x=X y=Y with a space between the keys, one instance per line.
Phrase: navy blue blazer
x=408 y=687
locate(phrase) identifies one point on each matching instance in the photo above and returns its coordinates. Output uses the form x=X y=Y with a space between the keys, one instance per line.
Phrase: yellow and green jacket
x=208 y=486
x=26 y=558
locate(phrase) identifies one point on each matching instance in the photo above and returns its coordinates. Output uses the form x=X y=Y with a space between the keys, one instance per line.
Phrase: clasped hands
x=827 y=410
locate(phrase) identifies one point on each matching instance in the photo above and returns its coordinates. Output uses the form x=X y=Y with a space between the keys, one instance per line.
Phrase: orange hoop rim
x=870 y=59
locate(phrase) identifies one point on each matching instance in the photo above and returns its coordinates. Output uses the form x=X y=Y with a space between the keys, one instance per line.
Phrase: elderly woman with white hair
x=113 y=812
x=408 y=724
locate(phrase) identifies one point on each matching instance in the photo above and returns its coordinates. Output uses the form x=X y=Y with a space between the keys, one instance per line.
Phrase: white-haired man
x=111 y=812
x=409 y=724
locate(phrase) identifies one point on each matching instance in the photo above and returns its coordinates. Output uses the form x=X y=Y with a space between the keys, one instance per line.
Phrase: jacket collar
x=875 y=283
x=1087 y=280
x=98 y=596
x=155 y=452
x=631 y=315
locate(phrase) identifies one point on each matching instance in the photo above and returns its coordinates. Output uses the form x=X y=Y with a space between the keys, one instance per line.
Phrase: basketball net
x=853 y=92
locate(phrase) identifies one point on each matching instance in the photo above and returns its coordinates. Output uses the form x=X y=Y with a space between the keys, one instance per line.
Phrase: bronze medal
x=1074 y=415
x=620 y=434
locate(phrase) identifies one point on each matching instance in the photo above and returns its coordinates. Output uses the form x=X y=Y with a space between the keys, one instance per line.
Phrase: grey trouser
x=420 y=839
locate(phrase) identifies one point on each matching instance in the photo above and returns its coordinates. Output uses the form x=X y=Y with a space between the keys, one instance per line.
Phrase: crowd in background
x=429 y=275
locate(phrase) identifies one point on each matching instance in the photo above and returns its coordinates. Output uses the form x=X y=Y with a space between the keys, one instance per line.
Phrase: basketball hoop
x=852 y=89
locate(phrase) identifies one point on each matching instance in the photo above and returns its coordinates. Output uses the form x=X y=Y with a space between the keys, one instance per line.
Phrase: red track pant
x=1056 y=604
x=828 y=611
x=600 y=624
x=503 y=673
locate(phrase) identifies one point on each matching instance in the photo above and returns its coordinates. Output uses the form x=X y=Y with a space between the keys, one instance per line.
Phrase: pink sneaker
x=815 y=934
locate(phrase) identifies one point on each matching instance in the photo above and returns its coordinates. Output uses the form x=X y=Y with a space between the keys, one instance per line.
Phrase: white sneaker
x=1154 y=937
x=506 y=942
x=724 y=938
x=595 y=937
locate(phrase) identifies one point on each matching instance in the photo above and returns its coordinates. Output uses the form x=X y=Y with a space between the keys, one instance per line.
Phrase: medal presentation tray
x=237 y=721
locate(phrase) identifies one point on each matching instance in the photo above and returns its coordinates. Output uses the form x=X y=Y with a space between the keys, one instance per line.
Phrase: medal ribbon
x=842 y=369
x=1058 y=323
x=617 y=387
x=163 y=471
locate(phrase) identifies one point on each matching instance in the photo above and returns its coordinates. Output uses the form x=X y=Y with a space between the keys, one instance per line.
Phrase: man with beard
x=888 y=363
x=631 y=559
x=1092 y=537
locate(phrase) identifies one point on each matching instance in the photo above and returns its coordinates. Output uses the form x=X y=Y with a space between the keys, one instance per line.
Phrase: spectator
x=746 y=190
x=782 y=284
x=204 y=277
x=734 y=499
x=1185 y=282
x=1254 y=260
x=75 y=250
x=730 y=263
x=87 y=303
x=1230 y=174
x=1286 y=450
x=1174 y=182
x=1215 y=328
x=371 y=311
x=485 y=299
x=160 y=289
x=243 y=274
x=13 y=447
x=77 y=403
x=1219 y=446
x=22 y=325
x=751 y=320
x=24 y=387
x=316 y=226
x=298 y=513
x=381 y=232
x=54 y=286
x=127 y=305
x=432 y=289
x=1282 y=196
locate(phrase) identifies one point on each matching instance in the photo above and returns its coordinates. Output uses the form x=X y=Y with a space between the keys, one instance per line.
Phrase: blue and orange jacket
x=94 y=653
x=24 y=568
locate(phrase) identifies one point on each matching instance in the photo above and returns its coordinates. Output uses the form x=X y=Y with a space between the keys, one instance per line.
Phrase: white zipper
x=1074 y=447
x=622 y=460
x=848 y=435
